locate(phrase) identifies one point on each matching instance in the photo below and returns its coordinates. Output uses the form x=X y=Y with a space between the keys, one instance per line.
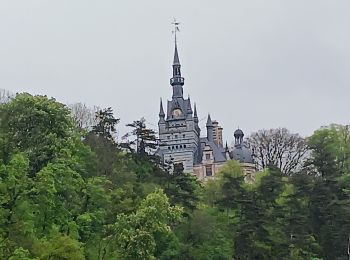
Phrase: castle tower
x=178 y=127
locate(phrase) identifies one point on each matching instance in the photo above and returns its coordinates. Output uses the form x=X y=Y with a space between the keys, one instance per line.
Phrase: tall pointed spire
x=177 y=81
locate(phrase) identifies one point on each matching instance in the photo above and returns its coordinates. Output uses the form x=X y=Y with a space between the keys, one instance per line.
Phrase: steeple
x=177 y=81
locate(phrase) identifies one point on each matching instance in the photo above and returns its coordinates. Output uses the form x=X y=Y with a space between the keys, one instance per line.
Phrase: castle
x=181 y=141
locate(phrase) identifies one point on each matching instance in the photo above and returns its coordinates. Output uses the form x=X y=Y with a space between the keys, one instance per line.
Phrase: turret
x=210 y=127
x=238 y=134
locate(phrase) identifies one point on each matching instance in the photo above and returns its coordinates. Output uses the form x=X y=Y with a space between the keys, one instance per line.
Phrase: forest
x=70 y=190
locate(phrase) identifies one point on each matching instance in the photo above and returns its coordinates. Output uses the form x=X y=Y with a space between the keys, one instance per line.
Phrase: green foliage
x=106 y=124
x=21 y=254
x=145 y=139
x=330 y=200
x=36 y=125
x=182 y=189
x=135 y=233
x=59 y=247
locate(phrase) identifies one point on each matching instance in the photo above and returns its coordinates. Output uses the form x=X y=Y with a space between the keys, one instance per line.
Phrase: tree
x=135 y=233
x=102 y=142
x=5 y=96
x=297 y=217
x=278 y=147
x=36 y=125
x=145 y=139
x=84 y=116
x=330 y=197
x=16 y=209
x=59 y=247
x=182 y=189
x=106 y=123
x=58 y=193
x=330 y=150
x=21 y=254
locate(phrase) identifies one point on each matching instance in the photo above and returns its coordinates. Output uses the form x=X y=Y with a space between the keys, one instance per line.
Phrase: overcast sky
x=254 y=64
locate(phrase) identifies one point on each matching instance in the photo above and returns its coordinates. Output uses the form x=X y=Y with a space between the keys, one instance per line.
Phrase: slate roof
x=218 y=152
x=183 y=104
x=241 y=154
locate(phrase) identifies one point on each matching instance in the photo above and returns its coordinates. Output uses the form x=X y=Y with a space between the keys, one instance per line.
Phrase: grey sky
x=256 y=64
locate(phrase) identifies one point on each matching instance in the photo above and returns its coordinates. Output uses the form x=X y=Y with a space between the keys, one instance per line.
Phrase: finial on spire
x=176 y=29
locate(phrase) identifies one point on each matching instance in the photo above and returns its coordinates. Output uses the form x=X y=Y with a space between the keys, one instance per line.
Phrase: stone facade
x=181 y=141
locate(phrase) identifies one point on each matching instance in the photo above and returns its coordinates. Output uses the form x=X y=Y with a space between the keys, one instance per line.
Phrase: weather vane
x=176 y=28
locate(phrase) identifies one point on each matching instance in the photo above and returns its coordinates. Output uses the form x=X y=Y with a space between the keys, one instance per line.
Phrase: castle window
x=172 y=147
x=175 y=136
x=184 y=146
x=183 y=135
x=177 y=147
x=181 y=146
x=207 y=156
x=168 y=147
x=208 y=170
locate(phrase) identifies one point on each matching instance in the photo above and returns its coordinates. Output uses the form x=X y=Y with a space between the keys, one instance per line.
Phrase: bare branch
x=278 y=147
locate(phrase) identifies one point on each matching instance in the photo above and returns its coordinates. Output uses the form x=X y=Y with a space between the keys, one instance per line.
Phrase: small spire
x=161 y=110
x=209 y=122
x=189 y=107
x=195 y=116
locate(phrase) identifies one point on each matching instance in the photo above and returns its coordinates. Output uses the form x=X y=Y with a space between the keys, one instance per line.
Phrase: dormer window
x=207 y=156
